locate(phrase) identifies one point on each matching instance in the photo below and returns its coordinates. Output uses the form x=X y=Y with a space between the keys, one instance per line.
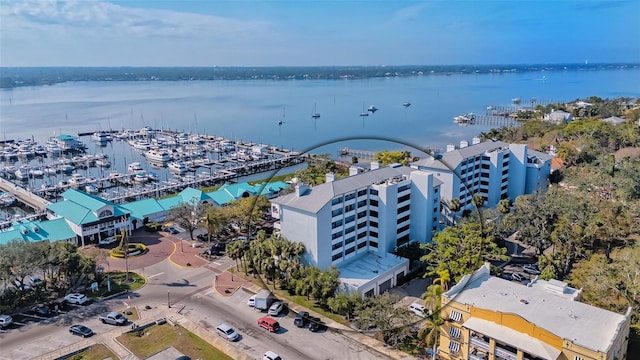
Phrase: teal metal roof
x=80 y=207
x=141 y=208
x=221 y=197
x=89 y=201
x=52 y=230
x=170 y=202
x=270 y=188
x=238 y=190
x=193 y=196
x=65 y=137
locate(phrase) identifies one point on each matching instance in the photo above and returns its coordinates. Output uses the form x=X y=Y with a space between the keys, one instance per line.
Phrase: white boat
x=140 y=145
x=152 y=176
x=178 y=167
x=406 y=104
x=315 y=114
x=103 y=162
x=141 y=177
x=22 y=173
x=155 y=155
x=36 y=172
x=372 y=109
x=7 y=199
x=134 y=167
x=91 y=189
x=77 y=180
x=100 y=137
x=466 y=119
x=50 y=170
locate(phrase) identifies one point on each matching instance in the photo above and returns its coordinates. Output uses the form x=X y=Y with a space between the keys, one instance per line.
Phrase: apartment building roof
x=547 y=304
x=314 y=198
x=451 y=159
x=367 y=267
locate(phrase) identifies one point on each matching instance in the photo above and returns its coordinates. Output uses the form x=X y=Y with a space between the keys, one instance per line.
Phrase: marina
x=155 y=163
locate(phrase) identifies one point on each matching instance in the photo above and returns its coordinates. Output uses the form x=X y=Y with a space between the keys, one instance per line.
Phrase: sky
x=316 y=32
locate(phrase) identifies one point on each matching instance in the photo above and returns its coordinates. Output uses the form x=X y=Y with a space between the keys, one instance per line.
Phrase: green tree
x=504 y=206
x=186 y=215
x=454 y=206
x=214 y=220
x=460 y=250
x=247 y=211
x=235 y=250
x=380 y=311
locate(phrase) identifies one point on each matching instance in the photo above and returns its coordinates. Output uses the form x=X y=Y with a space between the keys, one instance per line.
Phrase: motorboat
x=158 y=156
x=315 y=114
x=466 y=119
x=22 y=173
x=7 y=199
x=36 y=172
x=76 y=180
x=141 y=177
x=178 y=167
x=406 y=104
x=134 y=167
x=91 y=189
x=372 y=109
x=101 y=137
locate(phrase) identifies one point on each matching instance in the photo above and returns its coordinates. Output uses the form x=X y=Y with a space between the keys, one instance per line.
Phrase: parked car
x=268 y=323
x=35 y=280
x=315 y=324
x=21 y=286
x=42 y=310
x=80 y=330
x=418 y=309
x=113 y=318
x=5 y=320
x=531 y=269
x=252 y=301
x=227 y=332
x=301 y=319
x=519 y=277
x=76 y=298
x=276 y=308
x=108 y=240
x=270 y=355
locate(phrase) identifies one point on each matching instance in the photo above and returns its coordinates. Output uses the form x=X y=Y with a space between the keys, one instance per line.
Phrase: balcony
x=477 y=357
x=504 y=354
x=479 y=343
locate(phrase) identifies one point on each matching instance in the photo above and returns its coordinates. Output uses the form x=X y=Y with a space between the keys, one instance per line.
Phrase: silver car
x=276 y=308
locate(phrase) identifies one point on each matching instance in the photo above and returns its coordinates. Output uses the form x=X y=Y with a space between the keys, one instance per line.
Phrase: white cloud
x=27 y=18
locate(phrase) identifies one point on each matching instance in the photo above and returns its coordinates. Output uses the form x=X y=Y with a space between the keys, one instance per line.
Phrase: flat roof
x=547 y=306
x=367 y=267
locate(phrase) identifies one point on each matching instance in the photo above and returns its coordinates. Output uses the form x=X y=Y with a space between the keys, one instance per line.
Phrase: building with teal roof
x=90 y=217
x=33 y=231
x=145 y=211
x=271 y=190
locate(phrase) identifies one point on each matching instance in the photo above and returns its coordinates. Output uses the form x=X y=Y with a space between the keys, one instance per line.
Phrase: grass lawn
x=159 y=337
x=96 y=352
x=119 y=283
x=134 y=316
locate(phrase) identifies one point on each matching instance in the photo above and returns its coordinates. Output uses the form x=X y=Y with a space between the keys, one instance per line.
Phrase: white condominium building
x=356 y=222
x=494 y=169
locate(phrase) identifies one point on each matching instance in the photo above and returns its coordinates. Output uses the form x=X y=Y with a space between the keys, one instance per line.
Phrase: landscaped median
x=133 y=249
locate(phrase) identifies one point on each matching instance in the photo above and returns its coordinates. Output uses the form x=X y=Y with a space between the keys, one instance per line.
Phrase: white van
x=418 y=309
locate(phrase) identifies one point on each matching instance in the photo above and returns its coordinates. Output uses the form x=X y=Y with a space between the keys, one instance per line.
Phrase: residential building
x=558 y=117
x=355 y=223
x=491 y=318
x=614 y=120
x=90 y=217
x=494 y=169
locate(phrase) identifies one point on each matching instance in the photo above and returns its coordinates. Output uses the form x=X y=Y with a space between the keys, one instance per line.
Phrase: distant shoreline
x=13 y=77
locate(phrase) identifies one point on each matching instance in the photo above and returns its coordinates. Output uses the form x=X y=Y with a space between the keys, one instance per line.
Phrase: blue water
x=250 y=109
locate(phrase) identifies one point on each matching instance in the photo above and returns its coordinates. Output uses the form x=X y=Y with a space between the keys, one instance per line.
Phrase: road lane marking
x=154 y=275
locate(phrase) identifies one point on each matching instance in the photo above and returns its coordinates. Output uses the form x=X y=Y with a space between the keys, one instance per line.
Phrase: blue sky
x=305 y=32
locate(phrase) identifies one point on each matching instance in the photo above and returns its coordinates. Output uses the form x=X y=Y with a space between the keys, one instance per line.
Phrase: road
x=193 y=289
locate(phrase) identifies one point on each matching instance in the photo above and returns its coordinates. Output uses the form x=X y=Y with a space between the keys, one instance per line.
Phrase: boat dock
x=25 y=196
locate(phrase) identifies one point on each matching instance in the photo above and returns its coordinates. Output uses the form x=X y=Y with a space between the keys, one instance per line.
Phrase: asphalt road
x=191 y=288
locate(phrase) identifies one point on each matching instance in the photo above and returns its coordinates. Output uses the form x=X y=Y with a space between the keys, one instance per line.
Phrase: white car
x=270 y=355
x=76 y=298
x=252 y=301
x=531 y=269
x=276 y=308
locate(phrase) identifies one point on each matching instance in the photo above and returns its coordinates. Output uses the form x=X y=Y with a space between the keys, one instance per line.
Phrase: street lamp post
x=169 y=299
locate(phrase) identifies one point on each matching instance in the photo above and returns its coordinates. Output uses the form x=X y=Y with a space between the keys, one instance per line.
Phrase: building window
x=349 y=208
x=505 y=172
x=350 y=250
x=362 y=214
x=404 y=187
x=373 y=191
x=373 y=224
x=350 y=230
x=403 y=229
x=454 y=346
x=403 y=198
x=486 y=166
x=362 y=192
x=455 y=316
x=455 y=332
x=105 y=213
x=336 y=235
x=362 y=244
x=336 y=224
x=402 y=240
x=350 y=240
x=349 y=219
x=373 y=244
x=403 y=209
x=403 y=219
x=336 y=257
x=362 y=224
x=362 y=203
x=577 y=358
x=336 y=201
x=373 y=234
x=349 y=197
x=336 y=212
x=373 y=202
x=362 y=234
x=435 y=191
x=336 y=246
x=373 y=213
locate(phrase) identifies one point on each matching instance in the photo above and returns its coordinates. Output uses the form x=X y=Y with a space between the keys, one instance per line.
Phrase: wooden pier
x=25 y=196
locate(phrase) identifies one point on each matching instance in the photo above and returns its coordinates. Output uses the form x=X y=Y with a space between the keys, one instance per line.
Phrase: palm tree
x=454 y=207
x=235 y=250
x=433 y=300
x=215 y=220
x=504 y=206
